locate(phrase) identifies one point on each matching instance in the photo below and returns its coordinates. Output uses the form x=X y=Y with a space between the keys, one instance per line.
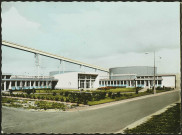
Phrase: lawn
x=122 y=97
x=165 y=123
x=119 y=90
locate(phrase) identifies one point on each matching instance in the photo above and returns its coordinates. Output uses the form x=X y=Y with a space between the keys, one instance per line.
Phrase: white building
x=77 y=80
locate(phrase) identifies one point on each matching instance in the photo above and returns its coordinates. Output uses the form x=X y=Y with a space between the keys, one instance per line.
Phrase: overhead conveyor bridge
x=35 y=51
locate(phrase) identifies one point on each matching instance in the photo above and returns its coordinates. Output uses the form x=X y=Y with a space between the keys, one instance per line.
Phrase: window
x=88 y=76
x=87 y=84
x=82 y=76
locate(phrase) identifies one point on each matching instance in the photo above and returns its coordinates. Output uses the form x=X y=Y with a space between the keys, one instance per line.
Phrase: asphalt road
x=109 y=119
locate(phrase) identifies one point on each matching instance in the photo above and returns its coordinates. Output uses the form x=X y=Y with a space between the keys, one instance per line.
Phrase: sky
x=106 y=34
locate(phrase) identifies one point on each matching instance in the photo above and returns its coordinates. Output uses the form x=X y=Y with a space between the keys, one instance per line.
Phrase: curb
x=145 y=119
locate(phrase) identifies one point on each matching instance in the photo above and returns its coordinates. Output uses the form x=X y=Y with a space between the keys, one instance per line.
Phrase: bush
x=56 y=98
x=109 y=94
x=113 y=96
x=54 y=93
x=62 y=99
x=67 y=100
x=66 y=93
x=118 y=94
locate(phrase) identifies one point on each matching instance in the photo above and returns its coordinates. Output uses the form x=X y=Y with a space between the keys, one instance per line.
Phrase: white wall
x=67 y=80
x=168 y=81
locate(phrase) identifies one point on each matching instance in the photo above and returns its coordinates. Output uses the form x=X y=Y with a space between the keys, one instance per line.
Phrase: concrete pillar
x=149 y=83
x=15 y=84
x=25 y=83
x=10 y=85
x=130 y=83
x=157 y=83
x=144 y=83
x=38 y=83
x=4 y=85
x=30 y=84
x=85 y=84
x=20 y=83
x=90 y=83
x=46 y=84
x=34 y=83
x=136 y=83
x=79 y=83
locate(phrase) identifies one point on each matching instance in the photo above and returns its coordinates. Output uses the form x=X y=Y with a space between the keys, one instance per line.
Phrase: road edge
x=144 y=119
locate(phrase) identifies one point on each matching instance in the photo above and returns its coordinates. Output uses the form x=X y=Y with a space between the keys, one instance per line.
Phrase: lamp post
x=154 y=73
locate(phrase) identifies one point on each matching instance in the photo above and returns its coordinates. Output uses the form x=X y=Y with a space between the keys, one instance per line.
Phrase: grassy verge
x=123 y=96
x=120 y=90
x=165 y=123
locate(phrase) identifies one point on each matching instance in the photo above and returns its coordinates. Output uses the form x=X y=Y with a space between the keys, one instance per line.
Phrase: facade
x=77 y=80
x=12 y=82
x=137 y=76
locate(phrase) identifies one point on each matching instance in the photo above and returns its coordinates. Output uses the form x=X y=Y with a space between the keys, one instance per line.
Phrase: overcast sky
x=114 y=34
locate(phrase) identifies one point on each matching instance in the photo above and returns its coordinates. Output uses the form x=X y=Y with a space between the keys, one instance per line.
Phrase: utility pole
x=154 y=74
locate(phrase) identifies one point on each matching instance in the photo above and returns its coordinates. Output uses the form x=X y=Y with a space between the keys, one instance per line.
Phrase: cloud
x=96 y=33
x=15 y=27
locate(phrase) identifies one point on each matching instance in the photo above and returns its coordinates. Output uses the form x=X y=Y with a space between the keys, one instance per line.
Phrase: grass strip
x=165 y=123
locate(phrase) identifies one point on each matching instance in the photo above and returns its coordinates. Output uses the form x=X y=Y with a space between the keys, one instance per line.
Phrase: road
x=109 y=119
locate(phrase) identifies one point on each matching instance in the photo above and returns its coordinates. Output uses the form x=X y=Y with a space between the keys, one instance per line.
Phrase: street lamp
x=154 y=72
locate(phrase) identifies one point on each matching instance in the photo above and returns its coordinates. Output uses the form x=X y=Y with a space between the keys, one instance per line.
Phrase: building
x=77 y=80
x=137 y=76
x=17 y=82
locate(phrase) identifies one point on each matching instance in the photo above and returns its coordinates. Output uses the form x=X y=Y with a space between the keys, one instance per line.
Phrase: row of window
x=125 y=82
x=87 y=77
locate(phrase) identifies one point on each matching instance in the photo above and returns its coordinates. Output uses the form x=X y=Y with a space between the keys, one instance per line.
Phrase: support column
x=130 y=83
x=30 y=84
x=157 y=83
x=46 y=84
x=38 y=83
x=136 y=83
x=78 y=83
x=149 y=83
x=4 y=85
x=15 y=84
x=144 y=83
x=34 y=84
x=20 y=84
x=10 y=85
x=84 y=84
x=90 y=83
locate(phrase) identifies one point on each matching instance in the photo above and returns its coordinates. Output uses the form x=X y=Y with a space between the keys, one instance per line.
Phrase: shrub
x=62 y=99
x=67 y=100
x=47 y=98
x=118 y=94
x=109 y=94
x=113 y=96
x=56 y=98
x=54 y=93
